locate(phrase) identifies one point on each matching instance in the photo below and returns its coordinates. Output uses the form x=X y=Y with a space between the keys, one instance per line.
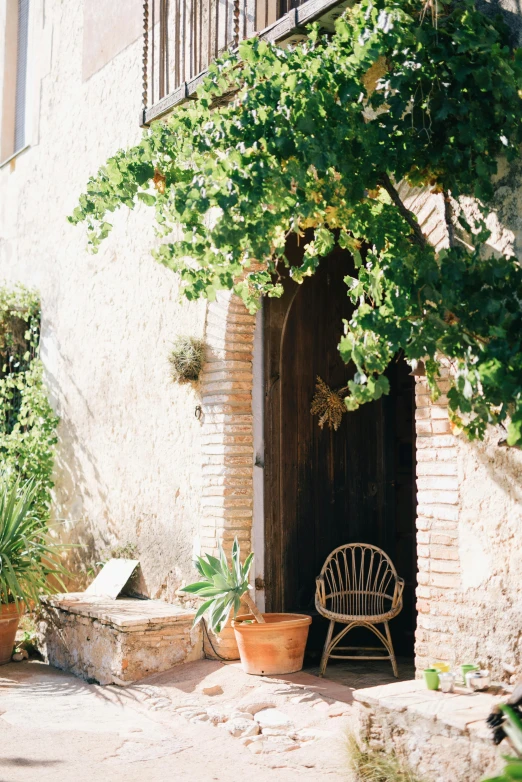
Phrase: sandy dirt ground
x=176 y=726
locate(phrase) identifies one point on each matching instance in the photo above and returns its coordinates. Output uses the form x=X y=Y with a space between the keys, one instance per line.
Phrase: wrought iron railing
x=182 y=37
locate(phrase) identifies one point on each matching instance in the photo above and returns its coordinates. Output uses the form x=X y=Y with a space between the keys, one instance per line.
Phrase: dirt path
x=200 y=722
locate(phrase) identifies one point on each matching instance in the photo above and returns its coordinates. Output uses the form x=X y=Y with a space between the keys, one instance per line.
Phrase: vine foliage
x=27 y=421
x=316 y=137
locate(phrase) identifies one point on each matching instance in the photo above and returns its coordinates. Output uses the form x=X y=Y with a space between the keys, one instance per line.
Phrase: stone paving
x=202 y=722
x=361 y=674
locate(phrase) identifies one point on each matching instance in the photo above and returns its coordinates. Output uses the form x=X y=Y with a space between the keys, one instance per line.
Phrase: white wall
x=129 y=463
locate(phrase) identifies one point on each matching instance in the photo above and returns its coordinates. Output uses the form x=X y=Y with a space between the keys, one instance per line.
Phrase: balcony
x=182 y=37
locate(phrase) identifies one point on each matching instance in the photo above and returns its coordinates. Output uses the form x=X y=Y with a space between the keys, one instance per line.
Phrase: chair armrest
x=399 y=589
x=320 y=591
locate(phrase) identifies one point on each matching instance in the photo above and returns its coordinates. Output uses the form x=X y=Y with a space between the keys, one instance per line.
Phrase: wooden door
x=325 y=488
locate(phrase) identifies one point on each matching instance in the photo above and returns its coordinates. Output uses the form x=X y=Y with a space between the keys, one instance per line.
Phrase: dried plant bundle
x=328 y=405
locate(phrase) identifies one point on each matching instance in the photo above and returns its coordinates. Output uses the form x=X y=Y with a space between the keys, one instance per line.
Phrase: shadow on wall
x=70 y=492
x=502 y=464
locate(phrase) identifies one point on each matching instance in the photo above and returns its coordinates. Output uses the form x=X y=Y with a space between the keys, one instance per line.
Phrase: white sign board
x=112 y=578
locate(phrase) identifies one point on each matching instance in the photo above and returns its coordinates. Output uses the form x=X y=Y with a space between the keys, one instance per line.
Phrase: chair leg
x=391 y=651
x=326 y=650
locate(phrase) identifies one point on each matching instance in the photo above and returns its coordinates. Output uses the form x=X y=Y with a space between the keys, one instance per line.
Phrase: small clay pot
x=275 y=647
x=9 y=618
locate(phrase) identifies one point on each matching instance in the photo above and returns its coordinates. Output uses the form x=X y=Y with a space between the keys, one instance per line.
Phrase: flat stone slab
x=124 y=613
x=116 y=641
x=441 y=735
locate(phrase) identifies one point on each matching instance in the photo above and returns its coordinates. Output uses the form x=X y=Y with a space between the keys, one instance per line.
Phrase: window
x=14 y=94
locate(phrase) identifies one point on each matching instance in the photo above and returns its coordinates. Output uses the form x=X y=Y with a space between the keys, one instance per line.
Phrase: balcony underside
x=286 y=31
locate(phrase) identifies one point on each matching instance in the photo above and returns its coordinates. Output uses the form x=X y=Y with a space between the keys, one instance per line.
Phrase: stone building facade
x=172 y=470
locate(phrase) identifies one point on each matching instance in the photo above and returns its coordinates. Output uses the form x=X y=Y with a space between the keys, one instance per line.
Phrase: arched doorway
x=325 y=488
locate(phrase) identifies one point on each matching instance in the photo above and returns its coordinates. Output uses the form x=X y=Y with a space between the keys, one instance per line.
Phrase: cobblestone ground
x=200 y=722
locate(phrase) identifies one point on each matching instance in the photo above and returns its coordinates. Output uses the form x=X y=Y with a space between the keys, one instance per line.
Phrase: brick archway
x=227 y=430
x=228 y=454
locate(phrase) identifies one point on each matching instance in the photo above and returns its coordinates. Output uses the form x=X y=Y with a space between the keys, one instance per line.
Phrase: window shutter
x=21 y=74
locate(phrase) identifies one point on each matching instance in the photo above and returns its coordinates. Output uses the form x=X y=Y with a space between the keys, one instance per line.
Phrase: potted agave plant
x=268 y=643
x=27 y=559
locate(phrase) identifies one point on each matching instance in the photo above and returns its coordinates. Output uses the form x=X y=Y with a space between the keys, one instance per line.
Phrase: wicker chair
x=358 y=587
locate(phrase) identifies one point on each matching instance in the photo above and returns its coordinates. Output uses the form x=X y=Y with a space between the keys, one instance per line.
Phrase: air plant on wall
x=186 y=359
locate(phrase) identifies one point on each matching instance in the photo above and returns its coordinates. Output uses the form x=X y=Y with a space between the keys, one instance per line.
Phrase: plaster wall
x=129 y=458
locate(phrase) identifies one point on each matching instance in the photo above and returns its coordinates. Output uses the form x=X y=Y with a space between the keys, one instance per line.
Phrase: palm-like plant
x=223 y=586
x=29 y=562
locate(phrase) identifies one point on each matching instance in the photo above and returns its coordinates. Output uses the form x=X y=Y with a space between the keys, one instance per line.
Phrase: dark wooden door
x=325 y=488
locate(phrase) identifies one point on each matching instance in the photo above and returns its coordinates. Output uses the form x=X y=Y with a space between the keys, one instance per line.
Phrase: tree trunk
x=258 y=616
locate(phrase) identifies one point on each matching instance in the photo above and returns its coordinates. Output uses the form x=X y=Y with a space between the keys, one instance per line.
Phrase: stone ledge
x=116 y=641
x=125 y=613
x=444 y=737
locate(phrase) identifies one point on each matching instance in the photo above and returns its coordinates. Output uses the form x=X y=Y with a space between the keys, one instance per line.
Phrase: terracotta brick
x=451 y=580
x=423 y=427
x=436 y=441
x=437 y=497
x=436 y=468
x=430 y=453
x=448 y=538
x=445 y=566
x=441 y=482
x=437 y=511
x=442 y=426
x=444 y=552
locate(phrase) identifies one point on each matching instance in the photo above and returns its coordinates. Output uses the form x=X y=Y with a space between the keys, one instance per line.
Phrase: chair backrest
x=360 y=580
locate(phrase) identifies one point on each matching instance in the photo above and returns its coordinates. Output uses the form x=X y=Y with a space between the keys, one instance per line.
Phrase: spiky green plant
x=29 y=561
x=223 y=586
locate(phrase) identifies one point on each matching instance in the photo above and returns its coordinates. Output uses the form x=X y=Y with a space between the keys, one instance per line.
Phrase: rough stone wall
x=129 y=457
x=469 y=594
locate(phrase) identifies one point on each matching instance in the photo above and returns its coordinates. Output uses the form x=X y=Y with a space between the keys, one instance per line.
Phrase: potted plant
x=27 y=559
x=268 y=643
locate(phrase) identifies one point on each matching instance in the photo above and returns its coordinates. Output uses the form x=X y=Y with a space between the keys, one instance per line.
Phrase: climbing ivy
x=27 y=421
x=317 y=137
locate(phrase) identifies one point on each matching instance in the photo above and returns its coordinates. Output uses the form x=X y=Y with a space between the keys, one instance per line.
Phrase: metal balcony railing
x=182 y=37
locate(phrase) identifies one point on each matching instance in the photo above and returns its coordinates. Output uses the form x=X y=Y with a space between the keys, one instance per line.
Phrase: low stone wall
x=443 y=737
x=116 y=641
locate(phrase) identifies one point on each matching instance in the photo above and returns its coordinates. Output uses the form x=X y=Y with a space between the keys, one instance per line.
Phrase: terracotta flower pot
x=275 y=647
x=9 y=618
x=220 y=646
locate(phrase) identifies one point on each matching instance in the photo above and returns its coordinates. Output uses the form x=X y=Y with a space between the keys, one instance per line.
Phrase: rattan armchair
x=358 y=587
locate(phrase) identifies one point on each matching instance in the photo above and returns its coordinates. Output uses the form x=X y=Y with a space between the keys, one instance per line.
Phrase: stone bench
x=116 y=641
x=443 y=737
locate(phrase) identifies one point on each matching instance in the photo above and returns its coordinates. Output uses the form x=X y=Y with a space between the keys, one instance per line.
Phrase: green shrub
x=27 y=422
